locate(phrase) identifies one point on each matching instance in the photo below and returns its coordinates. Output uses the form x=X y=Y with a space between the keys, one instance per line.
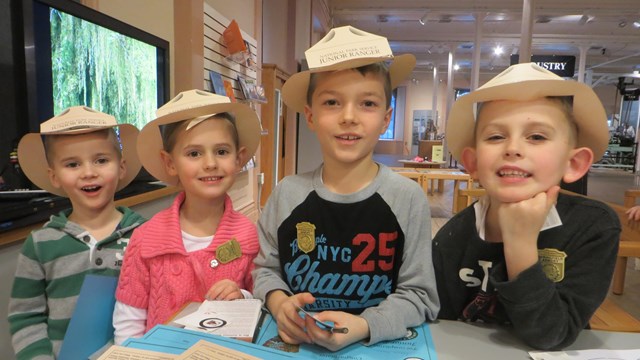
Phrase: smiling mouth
x=91 y=189
x=513 y=174
x=211 y=178
x=349 y=137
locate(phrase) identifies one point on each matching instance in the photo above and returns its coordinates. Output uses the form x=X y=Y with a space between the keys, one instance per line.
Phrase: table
x=426 y=177
x=460 y=340
x=421 y=164
x=454 y=340
x=429 y=175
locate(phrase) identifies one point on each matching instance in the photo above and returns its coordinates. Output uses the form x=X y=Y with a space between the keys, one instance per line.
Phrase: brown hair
x=50 y=140
x=379 y=69
x=170 y=132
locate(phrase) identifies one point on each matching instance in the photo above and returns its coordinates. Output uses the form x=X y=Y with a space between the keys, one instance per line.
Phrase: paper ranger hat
x=196 y=105
x=345 y=48
x=523 y=82
x=74 y=121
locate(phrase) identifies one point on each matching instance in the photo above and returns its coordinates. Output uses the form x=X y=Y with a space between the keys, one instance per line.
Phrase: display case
x=618 y=156
x=278 y=121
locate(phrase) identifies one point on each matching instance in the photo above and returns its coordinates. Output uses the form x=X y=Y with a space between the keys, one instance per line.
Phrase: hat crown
x=190 y=99
x=77 y=118
x=521 y=72
x=347 y=43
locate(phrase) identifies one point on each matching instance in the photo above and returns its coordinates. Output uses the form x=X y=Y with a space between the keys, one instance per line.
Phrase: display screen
x=103 y=69
x=75 y=55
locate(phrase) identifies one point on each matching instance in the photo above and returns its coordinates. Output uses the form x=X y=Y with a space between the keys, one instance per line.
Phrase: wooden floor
x=605 y=185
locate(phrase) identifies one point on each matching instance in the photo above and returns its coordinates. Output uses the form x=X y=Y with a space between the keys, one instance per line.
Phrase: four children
x=351 y=240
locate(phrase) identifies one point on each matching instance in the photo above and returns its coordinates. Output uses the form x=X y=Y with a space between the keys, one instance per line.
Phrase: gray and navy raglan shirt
x=51 y=269
x=366 y=253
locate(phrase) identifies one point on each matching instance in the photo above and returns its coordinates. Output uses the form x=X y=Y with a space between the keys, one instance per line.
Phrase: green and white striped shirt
x=51 y=268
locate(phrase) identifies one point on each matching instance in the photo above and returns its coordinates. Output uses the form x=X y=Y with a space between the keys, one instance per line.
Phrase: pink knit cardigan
x=160 y=276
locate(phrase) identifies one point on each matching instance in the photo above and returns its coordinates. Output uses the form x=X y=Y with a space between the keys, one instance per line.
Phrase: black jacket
x=551 y=302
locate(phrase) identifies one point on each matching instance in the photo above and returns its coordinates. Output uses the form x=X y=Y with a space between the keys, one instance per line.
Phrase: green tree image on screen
x=102 y=69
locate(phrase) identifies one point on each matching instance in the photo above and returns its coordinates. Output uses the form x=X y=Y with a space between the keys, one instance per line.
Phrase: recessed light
x=423 y=19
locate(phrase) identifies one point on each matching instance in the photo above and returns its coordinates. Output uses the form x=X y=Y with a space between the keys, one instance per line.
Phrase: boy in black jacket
x=522 y=255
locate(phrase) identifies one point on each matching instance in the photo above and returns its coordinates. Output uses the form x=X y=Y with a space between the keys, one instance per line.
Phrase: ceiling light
x=456 y=67
x=543 y=19
x=584 y=19
x=423 y=19
x=497 y=50
x=622 y=23
x=636 y=24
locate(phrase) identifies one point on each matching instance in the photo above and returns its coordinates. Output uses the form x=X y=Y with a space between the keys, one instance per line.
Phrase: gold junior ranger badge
x=552 y=261
x=306 y=236
x=228 y=251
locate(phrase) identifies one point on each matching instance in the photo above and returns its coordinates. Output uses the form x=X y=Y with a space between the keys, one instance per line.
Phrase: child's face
x=205 y=159
x=87 y=167
x=522 y=148
x=348 y=113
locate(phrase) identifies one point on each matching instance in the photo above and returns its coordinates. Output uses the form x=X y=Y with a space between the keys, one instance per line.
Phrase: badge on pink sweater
x=228 y=251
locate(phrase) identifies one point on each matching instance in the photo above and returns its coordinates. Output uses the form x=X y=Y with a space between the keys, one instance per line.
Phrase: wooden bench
x=608 y=316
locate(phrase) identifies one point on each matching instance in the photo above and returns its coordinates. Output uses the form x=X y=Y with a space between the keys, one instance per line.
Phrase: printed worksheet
x=236 y=318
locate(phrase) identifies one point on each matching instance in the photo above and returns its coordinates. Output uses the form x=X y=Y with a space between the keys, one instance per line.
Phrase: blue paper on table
x=418 y=344
x=174 y=340
x=91 y=326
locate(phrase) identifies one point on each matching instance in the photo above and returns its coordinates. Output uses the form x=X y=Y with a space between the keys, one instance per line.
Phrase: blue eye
x=495 y=137
x=537 y=137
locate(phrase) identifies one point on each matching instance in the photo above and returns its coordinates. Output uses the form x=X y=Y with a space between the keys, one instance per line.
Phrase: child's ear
x=53 y=178
x=167 y=160
x=470 y=161
x=579 y=163
x=308 y=116
x=387 y=120
x=123 y=169
x=242 y=156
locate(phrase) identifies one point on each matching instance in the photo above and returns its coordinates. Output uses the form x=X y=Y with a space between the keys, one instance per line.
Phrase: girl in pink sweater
x=200 y=247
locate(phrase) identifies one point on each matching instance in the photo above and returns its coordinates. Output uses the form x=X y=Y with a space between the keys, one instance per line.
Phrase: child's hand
x=520 y=224
x=285 y=311
x=224 y=290
x=358 y=329
x=634 y=213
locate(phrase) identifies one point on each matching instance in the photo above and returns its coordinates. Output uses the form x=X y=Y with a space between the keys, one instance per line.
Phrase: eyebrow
x=336 y=93
x=200 y=146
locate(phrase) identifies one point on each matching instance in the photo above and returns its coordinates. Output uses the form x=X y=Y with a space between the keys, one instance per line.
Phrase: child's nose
x=348 y=114
x=210 y=162
x=88 y=170
x=513 y=149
